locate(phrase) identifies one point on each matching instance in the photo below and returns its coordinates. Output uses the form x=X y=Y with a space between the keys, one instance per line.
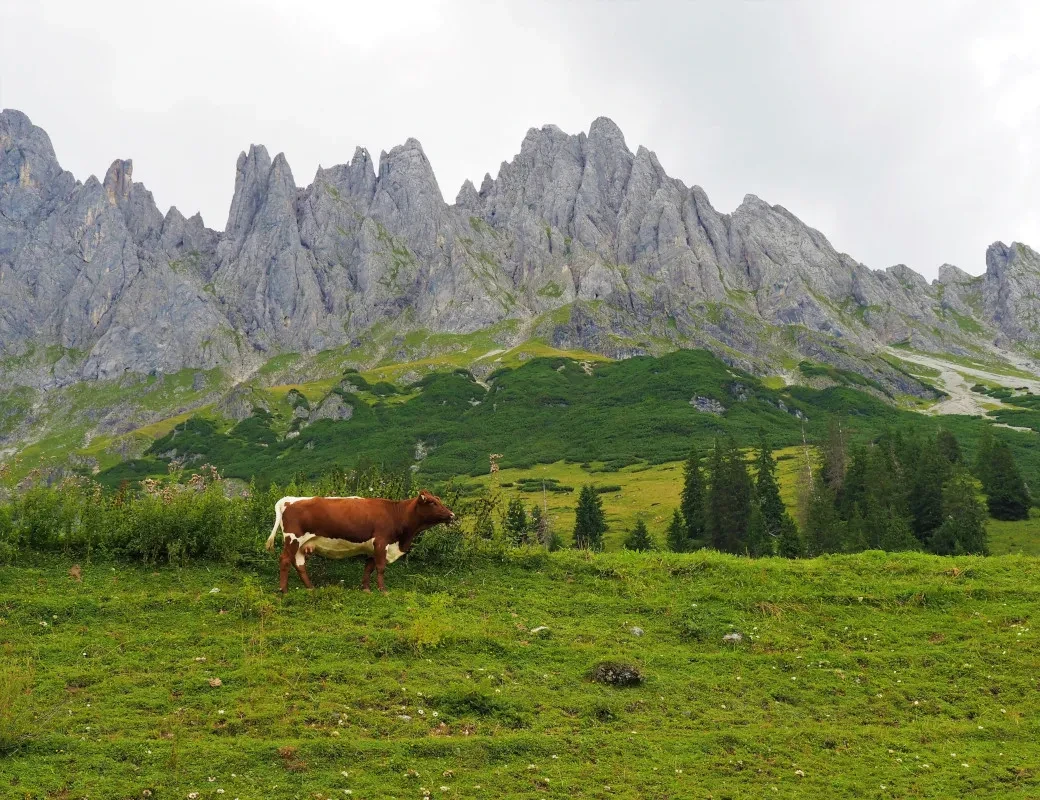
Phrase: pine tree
x=948 y=446
x=536 y=523
x=790 y=544
x=516 y=522
x=767 y=489
x=589 y=523
x=677 y=539
x=692 y=500
x=964 y=528
x=639 y=538
x=729 y=499
x=1006 y=495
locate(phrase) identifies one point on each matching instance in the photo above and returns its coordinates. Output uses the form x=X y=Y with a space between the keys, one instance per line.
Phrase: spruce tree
x=536 y=523
x=691 y=502
x=964 y=526
x=790 y=544
x=767 y=489
x=948 y=446
x=677 y=540
x=1006 y=495
x=729 y=498
x=926 y=496
x=984 y=458
x=892 y=530
x=589 y=523
x=824 y=529
x=757 y=541
x=639 y=538
x=515 y=524
x=835 y=456
x=854 y=489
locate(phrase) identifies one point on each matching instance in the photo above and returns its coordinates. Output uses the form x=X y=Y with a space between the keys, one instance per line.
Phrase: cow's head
x=432 y=510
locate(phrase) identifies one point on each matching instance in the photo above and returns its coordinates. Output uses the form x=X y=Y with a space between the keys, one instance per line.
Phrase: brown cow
x=339 y=527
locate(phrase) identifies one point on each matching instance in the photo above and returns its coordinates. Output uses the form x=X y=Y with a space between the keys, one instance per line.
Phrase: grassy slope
x=547 y=410
x=874 y=675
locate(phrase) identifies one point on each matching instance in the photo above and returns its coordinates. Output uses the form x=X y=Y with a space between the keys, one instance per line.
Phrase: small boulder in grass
x=614 y=673
x=733 y=638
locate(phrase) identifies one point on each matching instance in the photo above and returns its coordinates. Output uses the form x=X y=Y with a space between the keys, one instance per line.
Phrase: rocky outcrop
x=333 y=407
x=96 y=282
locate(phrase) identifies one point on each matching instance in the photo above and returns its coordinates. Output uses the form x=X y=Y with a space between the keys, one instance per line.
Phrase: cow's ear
x=423 y=497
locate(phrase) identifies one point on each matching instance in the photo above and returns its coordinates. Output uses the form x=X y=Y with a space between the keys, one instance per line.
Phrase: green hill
x=857 y=676
x=639 y=410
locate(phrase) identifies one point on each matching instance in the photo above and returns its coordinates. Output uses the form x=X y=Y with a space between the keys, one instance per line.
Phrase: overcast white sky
x=905 y=131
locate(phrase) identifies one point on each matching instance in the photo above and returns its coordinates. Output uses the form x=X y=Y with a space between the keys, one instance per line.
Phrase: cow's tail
x=279 y=507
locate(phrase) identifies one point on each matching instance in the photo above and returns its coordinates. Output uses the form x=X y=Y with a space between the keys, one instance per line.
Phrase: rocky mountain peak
x=118 y=181
x=577 y=235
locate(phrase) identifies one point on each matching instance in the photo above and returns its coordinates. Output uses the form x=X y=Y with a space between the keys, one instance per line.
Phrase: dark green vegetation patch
x=549 y=409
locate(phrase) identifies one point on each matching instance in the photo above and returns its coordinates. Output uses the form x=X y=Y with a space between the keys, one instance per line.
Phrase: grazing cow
x=340 y=527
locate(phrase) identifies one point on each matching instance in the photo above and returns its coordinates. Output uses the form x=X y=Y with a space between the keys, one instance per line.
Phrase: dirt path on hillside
x=962 y=399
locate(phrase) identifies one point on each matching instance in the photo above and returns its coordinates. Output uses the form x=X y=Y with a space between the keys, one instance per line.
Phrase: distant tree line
x=901 y=491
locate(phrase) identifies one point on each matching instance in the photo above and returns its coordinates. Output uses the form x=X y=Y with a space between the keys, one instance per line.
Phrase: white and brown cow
x=341 y=527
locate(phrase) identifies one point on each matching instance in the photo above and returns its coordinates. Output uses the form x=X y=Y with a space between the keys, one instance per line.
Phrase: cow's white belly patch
x=341 y=548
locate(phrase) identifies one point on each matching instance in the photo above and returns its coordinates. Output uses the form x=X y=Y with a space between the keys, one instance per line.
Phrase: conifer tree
x=515 y=523
x=692 y=501
x=824 y=529
x=757 y=541
x=891 y=529
x=589 y=523
x=790 y=544
x=984 y=457
x=639 y=538
x=767 y=489
x=677 y=540
x=964 y=528
x=729 y=498
x=926 y=496
x=835 y=456
x=535 y=526
x=855 y=487
x=948 y=446
x=1006 y=494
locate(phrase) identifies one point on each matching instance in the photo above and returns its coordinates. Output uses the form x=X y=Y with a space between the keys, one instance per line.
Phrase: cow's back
x=355 y=519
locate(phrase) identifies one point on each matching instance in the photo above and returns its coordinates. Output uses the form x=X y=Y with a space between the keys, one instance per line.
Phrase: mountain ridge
x=579 y=240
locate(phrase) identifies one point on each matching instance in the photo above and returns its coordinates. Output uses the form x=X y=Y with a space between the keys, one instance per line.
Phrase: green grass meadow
x=871 y=675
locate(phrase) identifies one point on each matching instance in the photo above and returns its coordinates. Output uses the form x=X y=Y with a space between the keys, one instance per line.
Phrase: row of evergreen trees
x=904 y=491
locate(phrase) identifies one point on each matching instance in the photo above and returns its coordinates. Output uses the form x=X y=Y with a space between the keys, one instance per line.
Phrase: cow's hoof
x=366 y=590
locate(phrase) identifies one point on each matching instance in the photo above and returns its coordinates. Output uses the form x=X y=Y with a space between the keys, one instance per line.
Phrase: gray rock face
x=333 y=407
x=96 y=282
x=1010 y=290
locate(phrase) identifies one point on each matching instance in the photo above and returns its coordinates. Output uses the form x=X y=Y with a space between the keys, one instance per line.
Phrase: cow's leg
x=301 y=570
x=369 y=566
x=289 y=548
x=380 y=559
